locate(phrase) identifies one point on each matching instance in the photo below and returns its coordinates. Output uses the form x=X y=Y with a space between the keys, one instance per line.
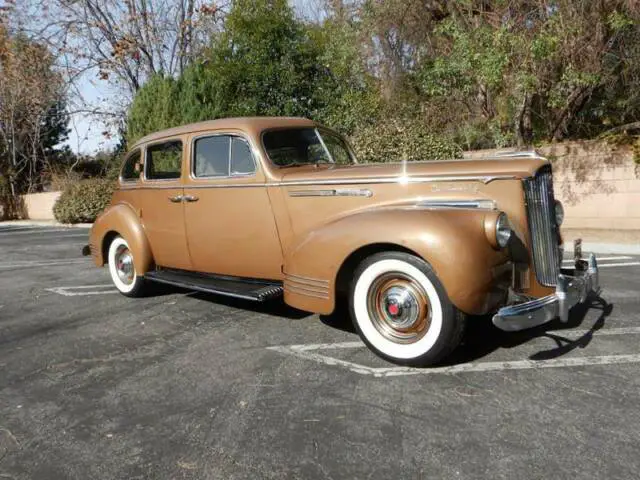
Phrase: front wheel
x=401 y=310
x=122 y=270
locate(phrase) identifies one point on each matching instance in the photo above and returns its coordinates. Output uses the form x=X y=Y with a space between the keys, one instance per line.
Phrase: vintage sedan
x=258 y=208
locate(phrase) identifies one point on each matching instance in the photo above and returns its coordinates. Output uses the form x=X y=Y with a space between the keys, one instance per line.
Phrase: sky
x=87 y=131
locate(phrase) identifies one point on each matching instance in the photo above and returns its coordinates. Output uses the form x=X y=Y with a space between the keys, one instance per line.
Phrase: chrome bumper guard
x=570 y=291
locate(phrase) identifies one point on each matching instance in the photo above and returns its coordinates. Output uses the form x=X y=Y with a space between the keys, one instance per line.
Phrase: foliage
x=516 y=72
x=394 y=141
x=83 y=201
x=33 y=118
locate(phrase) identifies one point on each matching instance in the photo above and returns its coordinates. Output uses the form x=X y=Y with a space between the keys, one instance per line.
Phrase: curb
x=44 y=223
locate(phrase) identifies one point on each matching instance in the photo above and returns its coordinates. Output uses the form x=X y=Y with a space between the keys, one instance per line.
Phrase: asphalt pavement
x=94 y=385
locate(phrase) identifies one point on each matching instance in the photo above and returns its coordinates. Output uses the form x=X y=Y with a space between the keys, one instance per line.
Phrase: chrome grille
x=542 y=226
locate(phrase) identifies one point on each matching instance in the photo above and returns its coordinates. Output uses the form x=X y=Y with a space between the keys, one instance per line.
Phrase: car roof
x=250 y=125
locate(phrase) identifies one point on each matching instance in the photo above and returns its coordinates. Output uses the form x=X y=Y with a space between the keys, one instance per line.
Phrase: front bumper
x=571 y=289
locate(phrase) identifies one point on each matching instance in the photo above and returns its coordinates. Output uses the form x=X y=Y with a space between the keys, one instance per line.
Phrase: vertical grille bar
x=542 y=226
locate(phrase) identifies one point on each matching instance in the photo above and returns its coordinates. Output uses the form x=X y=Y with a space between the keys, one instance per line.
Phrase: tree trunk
x=523 y=127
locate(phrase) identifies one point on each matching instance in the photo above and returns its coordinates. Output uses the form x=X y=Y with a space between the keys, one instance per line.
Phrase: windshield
x=305 y=146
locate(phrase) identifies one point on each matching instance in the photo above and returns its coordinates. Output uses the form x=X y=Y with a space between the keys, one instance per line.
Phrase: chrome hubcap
x=124 y=265
x=399 y=307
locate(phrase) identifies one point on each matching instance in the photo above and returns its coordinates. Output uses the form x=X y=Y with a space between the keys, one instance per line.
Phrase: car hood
x=483 y=169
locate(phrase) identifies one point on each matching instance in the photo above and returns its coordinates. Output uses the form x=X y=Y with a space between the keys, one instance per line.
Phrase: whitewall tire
x=401 y=310
x=122 y=269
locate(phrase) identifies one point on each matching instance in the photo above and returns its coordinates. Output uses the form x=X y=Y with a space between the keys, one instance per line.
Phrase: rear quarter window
x=132 y=167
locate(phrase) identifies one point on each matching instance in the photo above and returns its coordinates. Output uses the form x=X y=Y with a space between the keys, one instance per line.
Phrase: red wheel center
x=394 y=309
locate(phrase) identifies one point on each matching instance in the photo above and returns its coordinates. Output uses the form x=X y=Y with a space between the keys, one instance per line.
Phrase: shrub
x=395 y=141
x=83 y=201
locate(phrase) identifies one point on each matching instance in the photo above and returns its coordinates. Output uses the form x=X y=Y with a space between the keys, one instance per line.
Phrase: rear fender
x=452 y=241
x=121 y=219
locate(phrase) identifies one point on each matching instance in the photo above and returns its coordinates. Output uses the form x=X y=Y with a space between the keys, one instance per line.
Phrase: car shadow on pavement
x=482 y=337
x=275 y=307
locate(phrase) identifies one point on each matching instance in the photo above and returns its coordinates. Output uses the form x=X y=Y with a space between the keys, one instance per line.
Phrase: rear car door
x=161 y=206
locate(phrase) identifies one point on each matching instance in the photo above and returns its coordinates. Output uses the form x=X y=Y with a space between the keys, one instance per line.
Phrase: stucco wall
x=39 y=206
x=598 y=184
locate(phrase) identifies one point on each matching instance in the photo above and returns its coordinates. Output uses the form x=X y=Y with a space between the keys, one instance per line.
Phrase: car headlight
x=559 y=213
x=498 y=229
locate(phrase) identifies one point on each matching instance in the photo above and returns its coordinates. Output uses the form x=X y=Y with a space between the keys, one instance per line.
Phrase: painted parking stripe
x=624 y=264
x=84 y=290
x=310 y=352
x=463 y=367
x=600 y=259
x=52 y=263
x=40 y=232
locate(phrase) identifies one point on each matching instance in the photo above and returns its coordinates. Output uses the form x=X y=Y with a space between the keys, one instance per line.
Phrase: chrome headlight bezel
x=503 y=230
x=559 y=212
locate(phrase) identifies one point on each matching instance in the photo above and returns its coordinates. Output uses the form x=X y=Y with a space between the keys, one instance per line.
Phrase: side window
x=222 y=156
x=131 y=168
x=164 y=160
x=337 y=148
x=211 y=156
x=241 y=158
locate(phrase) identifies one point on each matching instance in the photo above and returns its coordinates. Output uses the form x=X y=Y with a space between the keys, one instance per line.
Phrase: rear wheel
x=401 y=310
x=122 y=270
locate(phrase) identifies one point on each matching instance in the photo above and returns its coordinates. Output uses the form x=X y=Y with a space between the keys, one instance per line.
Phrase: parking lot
x=186 y=385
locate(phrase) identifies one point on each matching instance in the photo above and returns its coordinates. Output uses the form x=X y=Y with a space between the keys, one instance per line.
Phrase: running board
x=247 y=289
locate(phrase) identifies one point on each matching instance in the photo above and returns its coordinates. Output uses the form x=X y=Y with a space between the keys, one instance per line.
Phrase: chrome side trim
x=309 y=280
x=355 y=181
x=520 y=154
x=399 y=179
x=307 y=293
x=482 y=204
x=340 y=192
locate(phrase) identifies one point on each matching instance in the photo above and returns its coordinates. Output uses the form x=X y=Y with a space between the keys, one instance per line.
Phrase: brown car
x=258 y=208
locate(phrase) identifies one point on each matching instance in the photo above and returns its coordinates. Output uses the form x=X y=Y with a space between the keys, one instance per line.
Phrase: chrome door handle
x=190 y=198
x=176 y=199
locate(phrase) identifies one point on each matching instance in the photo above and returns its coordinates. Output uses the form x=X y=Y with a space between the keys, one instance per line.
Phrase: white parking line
x=41 y=232
x=83 y=290
x=624 y=264
x=41 y=263
x=599 y=259
x=308 y=351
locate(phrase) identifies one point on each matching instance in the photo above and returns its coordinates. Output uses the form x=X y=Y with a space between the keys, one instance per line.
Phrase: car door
x=161 y=206
x=229 y=222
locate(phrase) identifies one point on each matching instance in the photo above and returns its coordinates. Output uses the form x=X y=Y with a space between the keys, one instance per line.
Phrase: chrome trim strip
x=340 y=192
x=307 y=288
x=398 y=179
x=520 y=154
x=295 y=290
x=307 y=279
x=483 y=204
x=360 y=181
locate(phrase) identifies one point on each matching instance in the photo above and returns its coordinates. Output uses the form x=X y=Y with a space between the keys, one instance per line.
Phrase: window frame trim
x=192 y=168
x=146 y=163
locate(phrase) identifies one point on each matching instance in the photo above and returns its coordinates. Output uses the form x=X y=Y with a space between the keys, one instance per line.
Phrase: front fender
x=120 y=219
x=452 y=241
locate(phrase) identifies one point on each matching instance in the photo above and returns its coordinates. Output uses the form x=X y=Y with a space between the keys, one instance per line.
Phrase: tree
x=263 y=63
x=509 y=72
x=33 y=120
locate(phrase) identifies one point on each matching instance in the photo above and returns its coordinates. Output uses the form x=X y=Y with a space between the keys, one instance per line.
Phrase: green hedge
x=83 y=201
x=396 y=141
